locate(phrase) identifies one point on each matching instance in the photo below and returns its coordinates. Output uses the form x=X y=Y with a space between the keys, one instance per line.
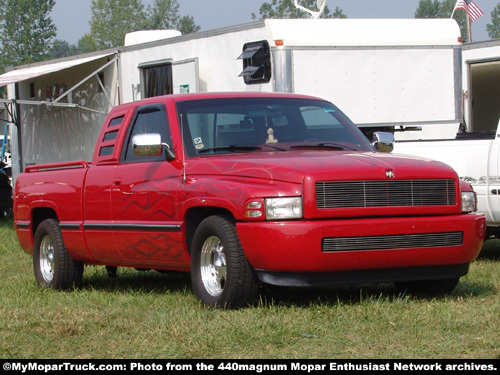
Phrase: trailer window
x=157 y=80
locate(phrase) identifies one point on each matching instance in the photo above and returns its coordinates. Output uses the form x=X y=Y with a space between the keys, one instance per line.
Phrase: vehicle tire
x=220 y=272
x=54 y=267
x=432 y=287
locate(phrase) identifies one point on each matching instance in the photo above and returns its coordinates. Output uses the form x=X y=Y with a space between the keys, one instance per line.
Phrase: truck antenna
x=183 y=152
x=320 y=4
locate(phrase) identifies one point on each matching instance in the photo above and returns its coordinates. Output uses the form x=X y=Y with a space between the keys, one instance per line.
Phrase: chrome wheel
x=54 y=267
x=220 y=272
x=47 y=252
x=213 y=266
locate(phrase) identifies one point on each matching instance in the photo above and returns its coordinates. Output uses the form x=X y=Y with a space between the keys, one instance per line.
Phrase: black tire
x=430 y=287
x=220 y=272
x=54 y=268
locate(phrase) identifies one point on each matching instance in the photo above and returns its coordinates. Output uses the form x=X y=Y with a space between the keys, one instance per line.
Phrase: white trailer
x=396 y=74
x=474 y=152
x=391 y=73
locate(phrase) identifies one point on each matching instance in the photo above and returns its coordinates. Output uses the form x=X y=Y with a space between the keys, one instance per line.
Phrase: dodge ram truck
x=244 y=189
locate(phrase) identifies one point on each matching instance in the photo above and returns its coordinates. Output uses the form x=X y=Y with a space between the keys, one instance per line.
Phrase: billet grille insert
x=405 y=193
x=392 y=242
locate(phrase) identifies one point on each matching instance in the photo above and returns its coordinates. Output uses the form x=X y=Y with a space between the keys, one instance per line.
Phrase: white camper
x=474 y=152
x=395 y=74
x=398 y=73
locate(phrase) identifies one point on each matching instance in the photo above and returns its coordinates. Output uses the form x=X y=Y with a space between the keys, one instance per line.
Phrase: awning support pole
x=86 y=79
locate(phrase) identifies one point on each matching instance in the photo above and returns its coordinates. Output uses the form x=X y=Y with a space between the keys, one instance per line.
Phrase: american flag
x=473 y=11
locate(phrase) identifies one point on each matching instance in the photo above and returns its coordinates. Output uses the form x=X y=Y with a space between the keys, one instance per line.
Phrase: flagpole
x=469 y=29
x=454 y=9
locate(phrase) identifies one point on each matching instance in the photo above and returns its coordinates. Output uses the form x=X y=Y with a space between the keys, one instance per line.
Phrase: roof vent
x=256 y=62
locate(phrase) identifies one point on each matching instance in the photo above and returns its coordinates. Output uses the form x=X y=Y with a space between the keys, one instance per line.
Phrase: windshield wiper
x=274 y=147
x=231 y=148
x=330 y=145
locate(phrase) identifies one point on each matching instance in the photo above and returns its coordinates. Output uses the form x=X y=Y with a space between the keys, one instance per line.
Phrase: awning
x=35 y=71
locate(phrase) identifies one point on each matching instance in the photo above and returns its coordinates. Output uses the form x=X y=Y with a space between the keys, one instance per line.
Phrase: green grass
x=152 y=315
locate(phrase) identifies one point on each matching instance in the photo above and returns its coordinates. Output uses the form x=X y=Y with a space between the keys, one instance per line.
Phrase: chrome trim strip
x=69 y=226
x=23 y=224
x=136 y=227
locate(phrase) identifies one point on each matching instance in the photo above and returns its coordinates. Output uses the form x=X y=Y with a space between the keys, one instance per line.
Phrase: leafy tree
x=112 y=19
x=61 y=48
x=287 y=9
x=27 y=31
x=442 y=9
x=187 y=25
x=493 y=28
x=165 y=15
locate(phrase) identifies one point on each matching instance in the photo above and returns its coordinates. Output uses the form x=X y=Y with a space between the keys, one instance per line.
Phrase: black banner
x=249 y=366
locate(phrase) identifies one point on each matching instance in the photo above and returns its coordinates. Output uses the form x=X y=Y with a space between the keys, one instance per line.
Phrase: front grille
x=406 y=193
x=392 y=242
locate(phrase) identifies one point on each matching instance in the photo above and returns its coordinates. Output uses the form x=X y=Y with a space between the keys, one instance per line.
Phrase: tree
x=287 y=9
x=493 y=28
x=187 y=25
x=165 y=15
x=27 y=31
x=112 y=19
x=442 y=9
x=61 y=48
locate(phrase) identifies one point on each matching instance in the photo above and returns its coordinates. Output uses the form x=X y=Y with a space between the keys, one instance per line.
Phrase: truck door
x=144 y=197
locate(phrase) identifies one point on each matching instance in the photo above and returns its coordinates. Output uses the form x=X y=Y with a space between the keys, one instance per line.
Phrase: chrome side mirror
x=150 y=145
x=383 y=141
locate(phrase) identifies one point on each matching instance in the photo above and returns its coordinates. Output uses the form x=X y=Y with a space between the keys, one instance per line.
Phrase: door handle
x=116 y=185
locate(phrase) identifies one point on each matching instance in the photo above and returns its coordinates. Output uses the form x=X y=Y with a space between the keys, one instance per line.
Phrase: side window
x=148 y=119
x=256 y=58
x=156 y=80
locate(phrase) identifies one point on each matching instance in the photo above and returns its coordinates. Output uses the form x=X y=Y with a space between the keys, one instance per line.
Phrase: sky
x=71 y=17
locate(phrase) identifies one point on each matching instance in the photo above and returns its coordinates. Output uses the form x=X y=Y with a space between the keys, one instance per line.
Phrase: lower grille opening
x=392 y=242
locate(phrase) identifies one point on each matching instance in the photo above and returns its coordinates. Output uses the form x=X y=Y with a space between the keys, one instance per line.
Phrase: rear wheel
x=220 y=272
x=434 y=287
x=54 y=268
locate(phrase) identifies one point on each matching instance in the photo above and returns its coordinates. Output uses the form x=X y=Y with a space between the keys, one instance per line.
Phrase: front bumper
x=291 y=247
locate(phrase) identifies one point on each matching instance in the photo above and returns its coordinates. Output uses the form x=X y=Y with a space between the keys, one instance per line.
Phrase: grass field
x=151 y=315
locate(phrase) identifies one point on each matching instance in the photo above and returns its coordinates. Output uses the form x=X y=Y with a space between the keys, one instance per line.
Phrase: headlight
x=469 y=201
x=283 y=208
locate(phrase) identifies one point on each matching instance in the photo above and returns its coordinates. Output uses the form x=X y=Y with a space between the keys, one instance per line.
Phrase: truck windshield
x=232 y=125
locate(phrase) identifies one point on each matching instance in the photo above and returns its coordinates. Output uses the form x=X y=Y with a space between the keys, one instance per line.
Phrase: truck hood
x=294 y=166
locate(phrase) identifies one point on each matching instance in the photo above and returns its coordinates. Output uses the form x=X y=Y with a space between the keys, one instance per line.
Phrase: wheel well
x=195 y=216
x=40 y=214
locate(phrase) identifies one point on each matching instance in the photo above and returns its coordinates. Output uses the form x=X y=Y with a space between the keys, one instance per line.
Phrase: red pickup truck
x=247 y=188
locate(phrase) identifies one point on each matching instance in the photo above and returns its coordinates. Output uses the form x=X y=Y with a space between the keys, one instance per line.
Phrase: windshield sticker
x=198 y=143
x=328 y=110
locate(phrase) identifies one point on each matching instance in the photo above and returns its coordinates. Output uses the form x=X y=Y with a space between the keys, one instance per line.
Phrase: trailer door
x=493 y=180
x=483 y=103
x=185 y=76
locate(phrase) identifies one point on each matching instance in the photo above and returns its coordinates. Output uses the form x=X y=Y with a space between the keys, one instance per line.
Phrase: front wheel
x=54 y=268
x=220 y=272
